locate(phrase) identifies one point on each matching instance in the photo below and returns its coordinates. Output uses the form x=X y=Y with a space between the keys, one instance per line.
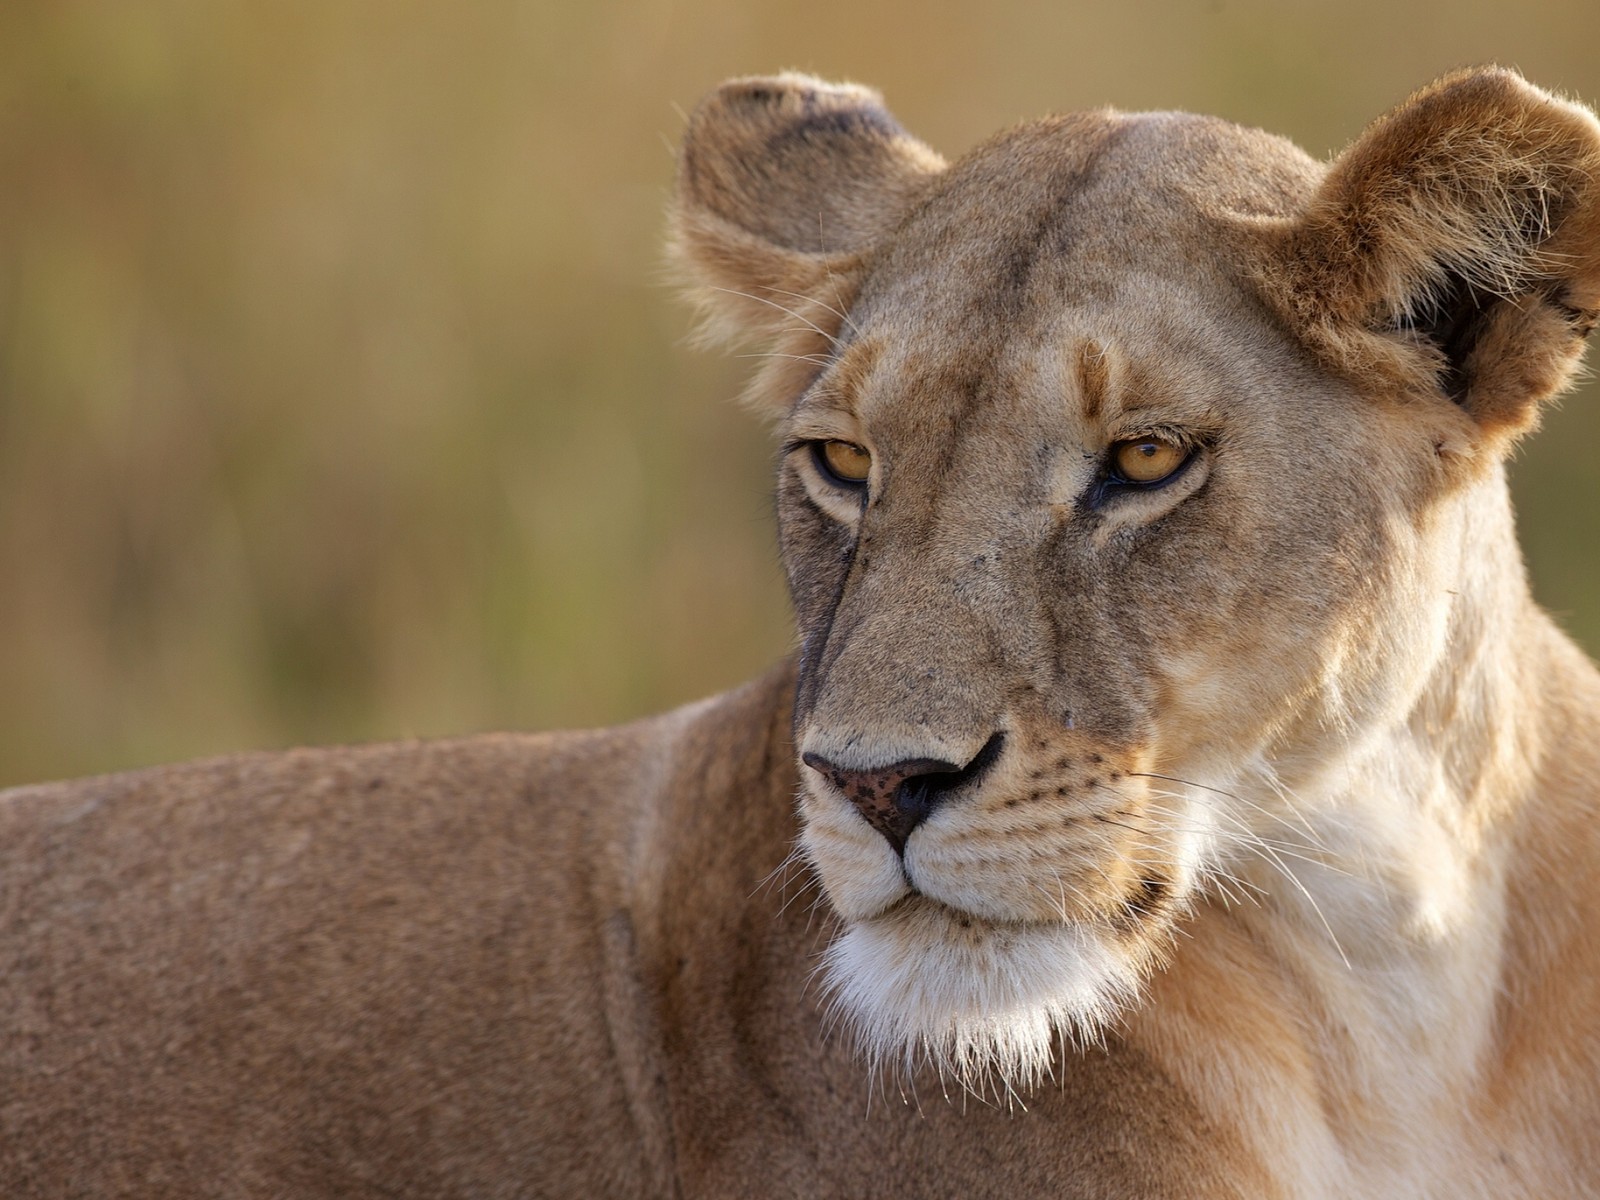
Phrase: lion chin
x=984 y=1003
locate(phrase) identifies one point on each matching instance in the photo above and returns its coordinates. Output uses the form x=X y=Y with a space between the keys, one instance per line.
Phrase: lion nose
x=895 y=799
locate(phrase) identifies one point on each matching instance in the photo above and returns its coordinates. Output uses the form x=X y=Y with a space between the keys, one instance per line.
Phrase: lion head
x=1139 y=476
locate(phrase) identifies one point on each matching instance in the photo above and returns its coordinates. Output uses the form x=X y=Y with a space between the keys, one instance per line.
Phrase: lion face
x=1104 y=540
x=1001 y=590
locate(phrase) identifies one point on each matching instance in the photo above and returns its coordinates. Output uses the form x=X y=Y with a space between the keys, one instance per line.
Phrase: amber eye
x=1147 y=460
x=844 y=462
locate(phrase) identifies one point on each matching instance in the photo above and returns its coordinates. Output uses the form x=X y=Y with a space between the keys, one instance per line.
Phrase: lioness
x=1176 y=792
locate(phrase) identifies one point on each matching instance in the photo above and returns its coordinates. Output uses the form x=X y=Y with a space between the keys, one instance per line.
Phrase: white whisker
x=809 y=324
x=843 y=316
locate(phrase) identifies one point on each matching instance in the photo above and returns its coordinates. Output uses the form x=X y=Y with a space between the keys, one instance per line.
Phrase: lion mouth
x=1023 y=919
x=1150 y=897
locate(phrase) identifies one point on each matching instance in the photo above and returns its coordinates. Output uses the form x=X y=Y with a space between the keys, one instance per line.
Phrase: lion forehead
x=1060 y=210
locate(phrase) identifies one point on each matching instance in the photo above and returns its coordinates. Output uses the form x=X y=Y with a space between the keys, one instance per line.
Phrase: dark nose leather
x=898 y=797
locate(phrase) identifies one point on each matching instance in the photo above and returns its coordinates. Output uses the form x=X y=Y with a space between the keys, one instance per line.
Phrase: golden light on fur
x=1191 y=718
x=1242 y=830
x=1147 y=460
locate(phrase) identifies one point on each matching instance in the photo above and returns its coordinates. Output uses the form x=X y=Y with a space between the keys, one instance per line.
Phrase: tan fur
x=1273 y=872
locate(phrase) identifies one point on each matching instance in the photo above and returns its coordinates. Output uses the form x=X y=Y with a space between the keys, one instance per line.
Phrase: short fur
x=1275 y=881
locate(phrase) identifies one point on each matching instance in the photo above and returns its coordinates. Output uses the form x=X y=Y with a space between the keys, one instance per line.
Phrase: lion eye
x=1147 y=460
x=844 y=462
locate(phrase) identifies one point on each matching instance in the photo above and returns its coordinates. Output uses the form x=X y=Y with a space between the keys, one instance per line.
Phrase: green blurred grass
x=340 y=396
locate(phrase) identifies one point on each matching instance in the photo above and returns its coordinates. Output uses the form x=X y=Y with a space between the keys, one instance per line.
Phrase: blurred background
x=341 y=396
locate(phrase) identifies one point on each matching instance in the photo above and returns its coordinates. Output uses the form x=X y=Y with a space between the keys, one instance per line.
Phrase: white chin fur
x=981 y=1003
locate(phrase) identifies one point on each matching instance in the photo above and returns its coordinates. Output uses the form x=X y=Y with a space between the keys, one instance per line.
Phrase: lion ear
x=1454 y=248
x=782 y=183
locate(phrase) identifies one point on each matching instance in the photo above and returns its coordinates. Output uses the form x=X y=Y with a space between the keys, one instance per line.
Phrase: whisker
x=789 y=860
x=1300 y=819
x=1255 y=845
x=845 y=317
x=1314 y=847
x=809 y=324
x=1246 y=834
x=815 y=360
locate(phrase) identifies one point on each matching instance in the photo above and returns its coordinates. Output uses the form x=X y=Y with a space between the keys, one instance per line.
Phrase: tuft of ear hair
x=784 y=184
x=1454 y=249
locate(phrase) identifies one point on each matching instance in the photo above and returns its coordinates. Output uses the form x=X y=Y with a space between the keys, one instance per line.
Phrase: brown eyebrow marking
x=839 y=391
x=1094 y=377
x=840 y=387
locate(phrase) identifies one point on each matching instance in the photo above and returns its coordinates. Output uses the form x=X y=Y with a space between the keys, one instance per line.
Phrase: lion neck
x=1385 y=946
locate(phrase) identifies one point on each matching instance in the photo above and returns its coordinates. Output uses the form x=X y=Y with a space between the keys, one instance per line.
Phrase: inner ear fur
x=784 y=184
x=1454 y=248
